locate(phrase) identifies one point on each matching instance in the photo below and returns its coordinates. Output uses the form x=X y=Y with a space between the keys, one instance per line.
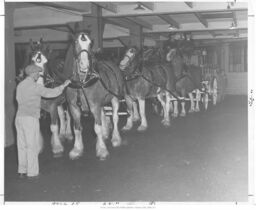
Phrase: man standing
x=28 y=96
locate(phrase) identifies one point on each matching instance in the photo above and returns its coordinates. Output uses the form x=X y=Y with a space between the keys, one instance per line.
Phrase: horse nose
x=38 y=59
x=83 y=38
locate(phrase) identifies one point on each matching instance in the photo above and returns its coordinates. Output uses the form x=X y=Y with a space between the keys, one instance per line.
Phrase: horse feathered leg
x=163 y=103
x=167 y=121
x=61 y=114
x=198 y=98
x=136 y=116
x=116 y=138
x=175 y=109
x=183 y=111
x=192 y=104
x=101 y=149
x=105 y=124
x=69 y=134
x=129 y=123
x=57 y=147
x=143 y=125
x=78 y=148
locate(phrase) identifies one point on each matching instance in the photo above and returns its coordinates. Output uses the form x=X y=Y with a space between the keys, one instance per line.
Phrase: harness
x=135 y=74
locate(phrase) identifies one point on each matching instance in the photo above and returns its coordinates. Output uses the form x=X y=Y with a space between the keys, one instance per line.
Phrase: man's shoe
x=22 y=175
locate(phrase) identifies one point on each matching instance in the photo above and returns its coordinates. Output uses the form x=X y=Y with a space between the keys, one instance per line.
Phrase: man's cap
x=30 y=69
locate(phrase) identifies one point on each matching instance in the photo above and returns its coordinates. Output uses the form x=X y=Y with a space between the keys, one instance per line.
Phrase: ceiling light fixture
x=139 y=7
x=228 y=7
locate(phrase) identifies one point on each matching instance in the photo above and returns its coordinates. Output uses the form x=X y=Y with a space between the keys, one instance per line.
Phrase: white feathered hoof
x=136 y=119
x=174 y=115
x=116 y=141
x=126 y=128
x=69 y=137
x=166 y=123
x=191 y=110
x=197 y=110
x=183 y=114
x=102 y=153
x=75 y=154
x=142 y=128
x=62 y=137
x=58 y=155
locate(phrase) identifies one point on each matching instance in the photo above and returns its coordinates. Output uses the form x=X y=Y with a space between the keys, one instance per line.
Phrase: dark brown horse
x=38 y=53
x=145 y=80
x=188 y=78
x=95 y=83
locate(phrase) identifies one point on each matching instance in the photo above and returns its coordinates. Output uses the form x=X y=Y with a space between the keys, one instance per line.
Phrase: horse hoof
x=183 y=115
x=126 y=128
x=141 y=128
x=75 y=154
x=116 y=142
x=102 y=154
x=58 y=155
x=191 y=110
x=174 y=115
x=136 y=119
x=197 y=110
x=166 y=123
x=69 y=137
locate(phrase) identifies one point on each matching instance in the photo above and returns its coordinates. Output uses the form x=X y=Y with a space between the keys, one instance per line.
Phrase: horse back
x=111 y=76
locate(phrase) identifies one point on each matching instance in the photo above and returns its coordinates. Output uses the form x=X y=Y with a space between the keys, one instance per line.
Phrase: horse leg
x=175 y=109
x=116 y=138
x=198 y=98
x=183 y=111
x=61 y=114
x=69 y=135
x=143 y=125
x=57 y=147
x=192 y=104
x=105 y=124
x=101 y=149
x=78 y=148
x=129 y=123
x=167 y=121
x=163 y=103
x=136 y=116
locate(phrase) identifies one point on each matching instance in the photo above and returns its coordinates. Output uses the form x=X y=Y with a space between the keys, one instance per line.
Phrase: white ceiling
x=30 y=18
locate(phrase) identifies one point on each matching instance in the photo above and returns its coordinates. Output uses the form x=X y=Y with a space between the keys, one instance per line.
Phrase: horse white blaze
x=169 y=55
x=84 y=43
x=125 y=60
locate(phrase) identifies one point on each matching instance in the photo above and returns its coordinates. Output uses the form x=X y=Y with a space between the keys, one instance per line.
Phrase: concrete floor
x=202 y=157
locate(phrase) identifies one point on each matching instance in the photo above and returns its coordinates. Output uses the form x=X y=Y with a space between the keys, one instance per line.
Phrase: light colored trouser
x=28 y=135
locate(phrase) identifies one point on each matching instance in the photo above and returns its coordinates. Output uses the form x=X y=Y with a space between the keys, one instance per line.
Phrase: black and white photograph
x=126 y=103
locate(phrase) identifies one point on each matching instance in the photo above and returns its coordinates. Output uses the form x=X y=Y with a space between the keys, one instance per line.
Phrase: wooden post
x=10 y=73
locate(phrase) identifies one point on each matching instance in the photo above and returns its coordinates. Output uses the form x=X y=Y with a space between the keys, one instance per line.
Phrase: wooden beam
x=140 y=22
x=58 y=6
x=148 y=5
x=107 y=6
x=190 y=4
x=39 y=27
x=201 y=19
x=169 y=20
x=234 y=18
x=121 y=22
x=174 y=13
x=212 y=33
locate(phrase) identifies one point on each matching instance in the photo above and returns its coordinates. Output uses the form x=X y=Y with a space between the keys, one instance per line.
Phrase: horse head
x=171 y=53
x=82 y=52
x=129 y=58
